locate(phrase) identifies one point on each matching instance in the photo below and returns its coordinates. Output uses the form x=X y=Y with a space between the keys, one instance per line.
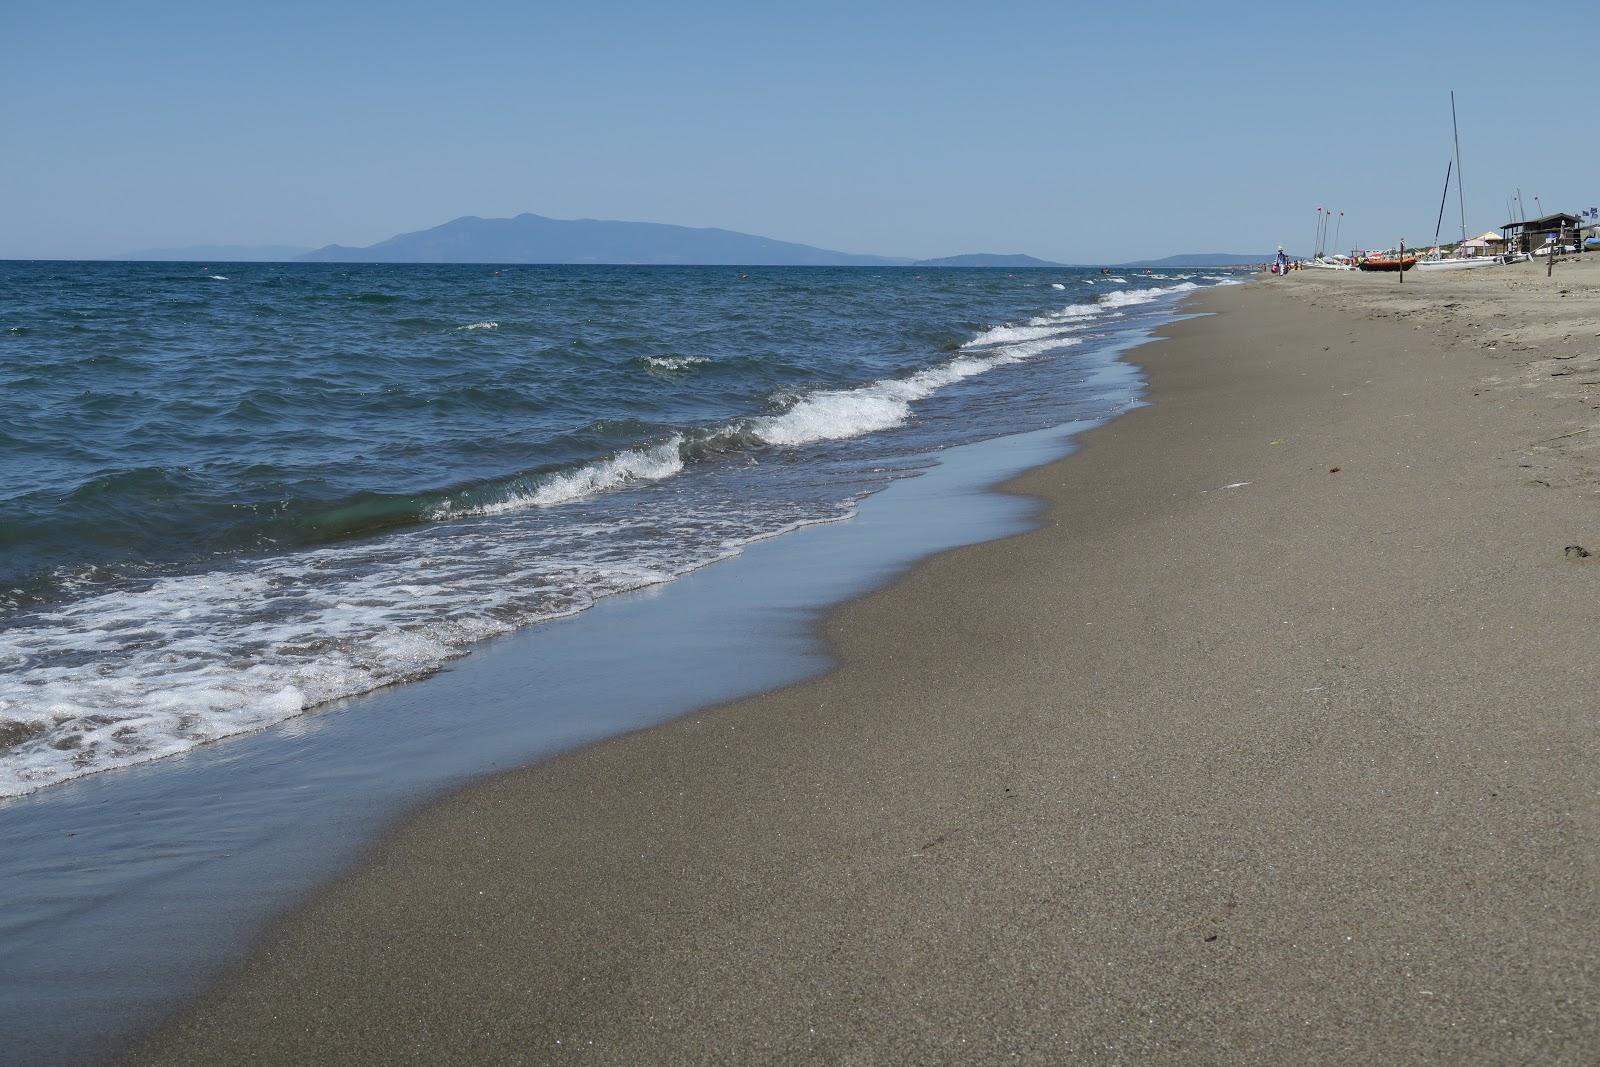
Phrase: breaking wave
x=672 y=363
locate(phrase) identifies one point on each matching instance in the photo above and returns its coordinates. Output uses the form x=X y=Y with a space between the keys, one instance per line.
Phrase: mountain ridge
x=988 y=259
x=530 y=238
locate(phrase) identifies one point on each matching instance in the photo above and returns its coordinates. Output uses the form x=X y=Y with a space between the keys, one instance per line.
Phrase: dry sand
x=1276 y=743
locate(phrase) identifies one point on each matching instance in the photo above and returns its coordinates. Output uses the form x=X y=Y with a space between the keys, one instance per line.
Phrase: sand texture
x=1277 y=742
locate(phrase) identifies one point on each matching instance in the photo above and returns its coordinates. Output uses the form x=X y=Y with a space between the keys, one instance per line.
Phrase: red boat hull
x=1388 y=264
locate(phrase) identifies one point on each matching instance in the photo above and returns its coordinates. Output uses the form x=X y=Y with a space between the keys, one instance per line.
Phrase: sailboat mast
x=1444 y=198
x=1461 y=196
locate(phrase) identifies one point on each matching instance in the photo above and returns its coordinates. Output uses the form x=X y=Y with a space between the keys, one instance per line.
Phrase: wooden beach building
x=1560 y=228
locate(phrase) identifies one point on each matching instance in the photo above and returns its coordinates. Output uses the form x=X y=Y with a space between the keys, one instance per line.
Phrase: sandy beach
x=1275 y=742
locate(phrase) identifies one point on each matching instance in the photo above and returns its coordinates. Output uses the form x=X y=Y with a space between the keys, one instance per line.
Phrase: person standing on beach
x=1283 y=261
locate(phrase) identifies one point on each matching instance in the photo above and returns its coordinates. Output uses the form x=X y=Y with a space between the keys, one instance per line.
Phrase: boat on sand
x=1436 y=262
x=1393 y=263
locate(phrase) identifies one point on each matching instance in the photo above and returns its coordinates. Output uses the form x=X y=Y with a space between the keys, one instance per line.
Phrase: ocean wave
x=305 y=521
x=1057 y=285
x=1037 y=329
x=835 y=414
x=672 y=363
x=1118 y=298
x=822 y=415
x=480 y=326
x=628 y=467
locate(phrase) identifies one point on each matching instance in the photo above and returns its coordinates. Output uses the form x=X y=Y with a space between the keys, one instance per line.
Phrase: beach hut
x=1485 y=244
x=1559 y=228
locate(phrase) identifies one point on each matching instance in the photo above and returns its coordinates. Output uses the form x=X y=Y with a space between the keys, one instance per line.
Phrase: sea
x=232 y=494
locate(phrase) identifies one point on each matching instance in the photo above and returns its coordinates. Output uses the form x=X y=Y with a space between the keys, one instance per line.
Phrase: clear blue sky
x=1070 y=131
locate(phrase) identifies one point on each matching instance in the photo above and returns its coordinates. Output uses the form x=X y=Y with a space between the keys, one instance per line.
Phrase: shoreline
x=849 y=874
x=242 y=831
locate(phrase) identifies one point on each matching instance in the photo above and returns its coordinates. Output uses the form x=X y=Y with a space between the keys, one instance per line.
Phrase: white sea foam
x=1057 y=285
x=216 y=277
x=1044 y=326
x=674 y=362
x=1119 y=298
x=837 y=414
x=604 y=476
x=192 y=659
x=834 y=414
x=480 y=326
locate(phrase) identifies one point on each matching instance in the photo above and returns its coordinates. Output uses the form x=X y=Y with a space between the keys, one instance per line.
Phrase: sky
x=1074 y=132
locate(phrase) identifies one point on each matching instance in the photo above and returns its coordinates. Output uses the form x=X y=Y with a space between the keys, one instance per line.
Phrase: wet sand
x=1276 y=742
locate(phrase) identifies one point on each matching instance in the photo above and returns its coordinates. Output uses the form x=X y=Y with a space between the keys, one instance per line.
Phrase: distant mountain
x=219 y=254
x=986 y=259
x=532 y=238
x=536 y=239
x=1206 y=259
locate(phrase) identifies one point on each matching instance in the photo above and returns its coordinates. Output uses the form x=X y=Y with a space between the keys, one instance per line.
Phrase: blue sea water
x=229 y=494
